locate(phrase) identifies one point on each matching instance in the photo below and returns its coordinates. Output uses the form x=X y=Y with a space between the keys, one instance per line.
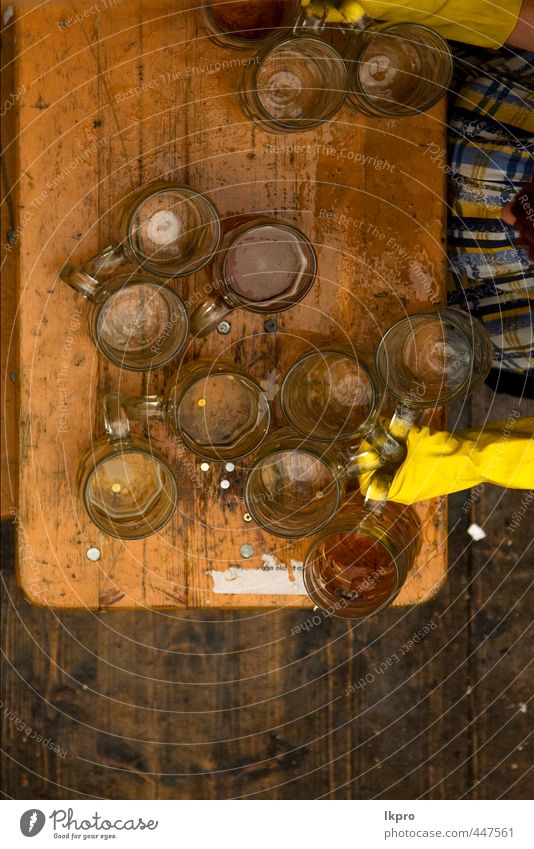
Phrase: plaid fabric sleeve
x=491 y=155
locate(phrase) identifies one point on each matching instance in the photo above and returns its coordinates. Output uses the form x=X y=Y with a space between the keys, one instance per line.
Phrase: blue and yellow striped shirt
x=491 y=156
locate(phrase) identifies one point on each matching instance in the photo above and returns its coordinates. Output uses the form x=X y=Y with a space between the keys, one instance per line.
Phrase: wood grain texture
x=9 y=100
x=136 y=91
x=224 y=704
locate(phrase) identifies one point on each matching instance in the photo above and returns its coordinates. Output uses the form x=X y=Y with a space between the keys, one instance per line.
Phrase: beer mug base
x=223 y=416
x=397 y=70
x=128 y=493
x=330 y=395
x=141 y=326
x=296 y=84
x=430 y=359
x=292 y=490
x=358 y=564
x=242 y=26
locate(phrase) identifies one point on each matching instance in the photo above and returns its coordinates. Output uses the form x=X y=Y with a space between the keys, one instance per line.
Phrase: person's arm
x=485 y=23
x=522 y=36
x=440 y=463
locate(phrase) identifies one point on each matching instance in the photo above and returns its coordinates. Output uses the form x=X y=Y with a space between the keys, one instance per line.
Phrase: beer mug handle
x=208 y=315
x=145 y=408
x=377 y=492
x=115 y=418
x=85 y=278
x=404 y=418
x=362 y=461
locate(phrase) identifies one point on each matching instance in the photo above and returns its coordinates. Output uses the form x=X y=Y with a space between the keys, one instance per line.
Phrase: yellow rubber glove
x=439 y=463
x=343 y=11
x=482 y=22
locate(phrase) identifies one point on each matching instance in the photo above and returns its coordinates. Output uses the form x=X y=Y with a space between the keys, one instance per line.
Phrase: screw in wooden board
x=225 y=484
x=204 y=467
x=270 y=326
x=93 y=554
x=229 y=467
x=246 y=551
x=247 y=517
x=224 y=327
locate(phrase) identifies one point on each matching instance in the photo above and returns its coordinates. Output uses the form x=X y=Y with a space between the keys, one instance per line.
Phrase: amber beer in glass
x=359 y=562
x=242 y=24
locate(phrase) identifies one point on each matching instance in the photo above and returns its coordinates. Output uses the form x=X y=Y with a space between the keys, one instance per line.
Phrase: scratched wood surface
x=8 y=285
x=128 y=93
x=204 y=704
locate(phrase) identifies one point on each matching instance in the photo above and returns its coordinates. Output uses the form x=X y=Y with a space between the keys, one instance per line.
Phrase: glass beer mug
x=295 y=486
x=331 y=394
x=217 y=410
x=128 y=488
x=136 y=321
x=263 y=266
x=167 y=228
x=425 y=361
x=358 y=564
x=232 y=23
x=430 y=359
x=398 y=69
x=294 y=84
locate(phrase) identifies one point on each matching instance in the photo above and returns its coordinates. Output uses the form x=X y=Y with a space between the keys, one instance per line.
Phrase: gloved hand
x=439 y=463
x=481 y=22
x=343 y=11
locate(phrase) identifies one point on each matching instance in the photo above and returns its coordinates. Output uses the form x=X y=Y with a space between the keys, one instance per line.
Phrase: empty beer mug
x=331 y=394
x=263 y=266
x=358 y=564
x=129 y=489
x=136 y=321
x=294 y=84
x=296 y=486
x=232 y=23
x=166 y=228
x=218 y=411
x=430 y=359
x=425 y=361
x=398 y=69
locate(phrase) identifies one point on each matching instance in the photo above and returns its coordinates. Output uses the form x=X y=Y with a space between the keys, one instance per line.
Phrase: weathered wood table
x=114 y=94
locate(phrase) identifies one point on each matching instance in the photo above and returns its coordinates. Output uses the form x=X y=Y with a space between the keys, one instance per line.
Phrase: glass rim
x=190 y=194
x=298 y=364
x=134 y=445
x=381 y=348
x=122 y=362
x=222 y=371
x=237 y=233
x=241 y=40
x=269 y=526
x=356 y=56
x=340 y=526
x=292 y=123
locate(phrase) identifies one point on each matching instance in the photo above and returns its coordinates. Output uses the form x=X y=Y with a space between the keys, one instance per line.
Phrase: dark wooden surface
x=230 y=704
